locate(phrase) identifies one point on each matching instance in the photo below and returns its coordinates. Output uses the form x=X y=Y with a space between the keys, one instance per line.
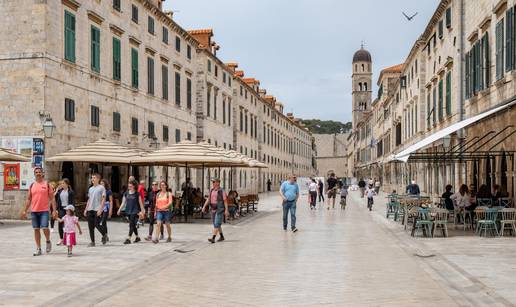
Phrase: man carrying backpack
x=40 y=195
x=218 y=201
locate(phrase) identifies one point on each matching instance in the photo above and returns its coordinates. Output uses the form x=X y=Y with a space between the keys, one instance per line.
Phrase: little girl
x=70 y=221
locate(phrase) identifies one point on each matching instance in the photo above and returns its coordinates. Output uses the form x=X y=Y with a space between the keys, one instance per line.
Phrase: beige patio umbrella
x=8 y=156
x=101 y=151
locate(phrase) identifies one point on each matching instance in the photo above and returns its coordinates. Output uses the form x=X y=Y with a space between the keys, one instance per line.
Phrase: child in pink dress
x=70 y=221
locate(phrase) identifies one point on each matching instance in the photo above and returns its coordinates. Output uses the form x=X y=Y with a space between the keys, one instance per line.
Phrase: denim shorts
x=163 y=216
x=216 y=217
x=40 y=220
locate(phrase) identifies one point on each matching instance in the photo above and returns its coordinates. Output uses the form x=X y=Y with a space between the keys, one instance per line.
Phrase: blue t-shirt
x=107 y=204
x=290 y=190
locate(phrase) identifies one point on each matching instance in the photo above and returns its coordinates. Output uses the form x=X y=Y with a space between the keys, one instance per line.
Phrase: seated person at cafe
x=463 y=199
x=448 y=202
x=233 y=203
x=484 y=192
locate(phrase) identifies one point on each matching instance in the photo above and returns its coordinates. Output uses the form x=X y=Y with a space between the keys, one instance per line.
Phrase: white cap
x=70 y=207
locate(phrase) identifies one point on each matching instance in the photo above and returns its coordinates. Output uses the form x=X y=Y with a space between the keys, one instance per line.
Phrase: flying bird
x=409 y=18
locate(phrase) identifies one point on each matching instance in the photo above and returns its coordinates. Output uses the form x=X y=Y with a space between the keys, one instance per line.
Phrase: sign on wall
x=12 y=176
x=22 y=176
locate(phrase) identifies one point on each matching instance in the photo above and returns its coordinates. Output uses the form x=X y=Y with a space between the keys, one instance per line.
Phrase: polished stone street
x=337 y=258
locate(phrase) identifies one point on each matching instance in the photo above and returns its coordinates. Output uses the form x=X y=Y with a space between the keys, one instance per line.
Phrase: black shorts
x=332 y=193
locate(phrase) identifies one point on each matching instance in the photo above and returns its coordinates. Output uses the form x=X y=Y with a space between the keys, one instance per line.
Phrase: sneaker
x=169 y=240
x=161 y=237
x=137 y=240
x=294 y=229
x=220 y=239
x=69 y=254
x=155 y=241
x=49 y=247
x=37 y=252
x=211 y=240
x=127 y=241
x=148 y=238
x=60 y=243
x=104 y=239
x=92 y=244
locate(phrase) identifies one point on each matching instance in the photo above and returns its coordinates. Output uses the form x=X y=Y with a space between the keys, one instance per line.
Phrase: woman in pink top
x=162 y=213
x=70 y=221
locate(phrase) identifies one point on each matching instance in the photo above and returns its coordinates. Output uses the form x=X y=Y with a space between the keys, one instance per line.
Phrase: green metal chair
x=508 y=221
x=486 y=221
x=440 y=221
x=423 y=222
x=393 y=208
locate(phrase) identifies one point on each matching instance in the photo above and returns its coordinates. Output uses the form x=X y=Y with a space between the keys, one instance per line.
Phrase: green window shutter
x=448 y=94
x=134 y=68
x=440 y=111
x=188 y=93
x=509 y=19
x=164 y=81
x=178 y=89
x=499 y=49
x=150 y=76
x=117 y=63
x=95 y=49
x=69 y=37
x=434 y=110
x=487 y=61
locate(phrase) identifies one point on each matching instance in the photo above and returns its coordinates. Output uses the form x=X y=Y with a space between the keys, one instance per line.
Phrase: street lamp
x=48 y=127
x=447 y=142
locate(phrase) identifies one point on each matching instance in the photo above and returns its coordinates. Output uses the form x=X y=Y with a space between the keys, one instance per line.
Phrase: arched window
x=356 y=68
x=363 y=67
x=360 y=86
x=365 y=86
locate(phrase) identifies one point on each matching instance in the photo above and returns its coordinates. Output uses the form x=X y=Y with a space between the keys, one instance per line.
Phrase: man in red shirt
x=218 y=201
x=141 y=190
x=40 y=195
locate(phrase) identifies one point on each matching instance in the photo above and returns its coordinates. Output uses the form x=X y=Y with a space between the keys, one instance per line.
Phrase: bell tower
x=362 y=82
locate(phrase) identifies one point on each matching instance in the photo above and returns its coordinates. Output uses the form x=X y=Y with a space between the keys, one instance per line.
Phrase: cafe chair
x=508 y=221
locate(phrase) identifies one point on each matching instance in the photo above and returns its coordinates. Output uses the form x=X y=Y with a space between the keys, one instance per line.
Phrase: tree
x=318 y=126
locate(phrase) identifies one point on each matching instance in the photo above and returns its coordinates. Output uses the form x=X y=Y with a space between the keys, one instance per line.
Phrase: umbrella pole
x=202 y=189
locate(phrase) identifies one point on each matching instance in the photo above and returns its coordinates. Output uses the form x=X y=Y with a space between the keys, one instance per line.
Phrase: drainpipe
x=460 y=133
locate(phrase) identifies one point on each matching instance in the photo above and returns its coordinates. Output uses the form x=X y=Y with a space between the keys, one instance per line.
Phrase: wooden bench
x=244 y=203
x=253 y=202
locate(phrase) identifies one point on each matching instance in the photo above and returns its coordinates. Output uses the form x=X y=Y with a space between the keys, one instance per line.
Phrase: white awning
x=405 y=154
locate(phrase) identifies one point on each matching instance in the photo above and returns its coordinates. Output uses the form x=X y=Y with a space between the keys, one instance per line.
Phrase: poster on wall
x=26 y=175
x=37 y=161
x=25 y=147
x=11 y=177
x=38 y=147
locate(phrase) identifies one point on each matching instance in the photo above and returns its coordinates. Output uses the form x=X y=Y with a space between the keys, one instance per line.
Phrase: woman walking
x=133 y=205
x=64 y=197
x=312 y=189
x=108 y=207
x=164 y=200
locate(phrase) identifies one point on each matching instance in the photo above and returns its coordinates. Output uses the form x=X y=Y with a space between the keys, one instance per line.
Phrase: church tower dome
x=362 y=78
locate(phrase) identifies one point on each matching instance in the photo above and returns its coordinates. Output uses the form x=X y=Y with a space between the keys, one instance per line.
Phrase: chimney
x=262 y=92
x=232 y=66
x=203 y=36
x=290 y=116
x=239 y=73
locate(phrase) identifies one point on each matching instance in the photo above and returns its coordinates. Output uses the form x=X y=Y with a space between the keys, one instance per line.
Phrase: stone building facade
x=332 y=154
x=460 y=67
x=127 y=72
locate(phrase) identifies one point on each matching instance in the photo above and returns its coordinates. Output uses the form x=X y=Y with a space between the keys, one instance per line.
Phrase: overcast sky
x=301 y=50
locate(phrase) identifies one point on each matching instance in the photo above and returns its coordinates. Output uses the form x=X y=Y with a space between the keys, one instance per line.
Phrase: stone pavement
x=338 y=258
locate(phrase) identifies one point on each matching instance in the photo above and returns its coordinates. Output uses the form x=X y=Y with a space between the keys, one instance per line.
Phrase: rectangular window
x=150 y=130
x=178 y=44
x=69 y=110
x=188 y=93
x=165 y=134
x=116 y=122
x=150 y=76
x=165 y=35
x=69 y=34
x=95 y=49
x=209 y=66
x=95 y=116
x=224 y=77
x=134 y=126
x=224 y=110
x=241 y=121
x=134 y=13
x=208 y=102
x=189 y=136
x=189 y=52
x=215 y=94
x=134 y=68
x=440 y=29
x=246 y=123
x=164 y=81
x=216 y=71
x=116 y=5
x=117 y=61
x=178 y=135
x=448 y=94
x=499 y=49
x=440 y=110
x=448 y=17
x=434 y=105
x=229 y=81
x=150 y=25
x=178 y=89
x=509 y=39
x=486 y=61
x=229 y=111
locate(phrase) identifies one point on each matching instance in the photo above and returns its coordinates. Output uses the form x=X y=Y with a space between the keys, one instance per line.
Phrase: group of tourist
x=49 y=202
x=466 y=197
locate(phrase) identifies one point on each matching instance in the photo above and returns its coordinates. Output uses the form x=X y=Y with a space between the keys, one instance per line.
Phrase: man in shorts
x=332 y=190
x=40 y=195
x=218 y=202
